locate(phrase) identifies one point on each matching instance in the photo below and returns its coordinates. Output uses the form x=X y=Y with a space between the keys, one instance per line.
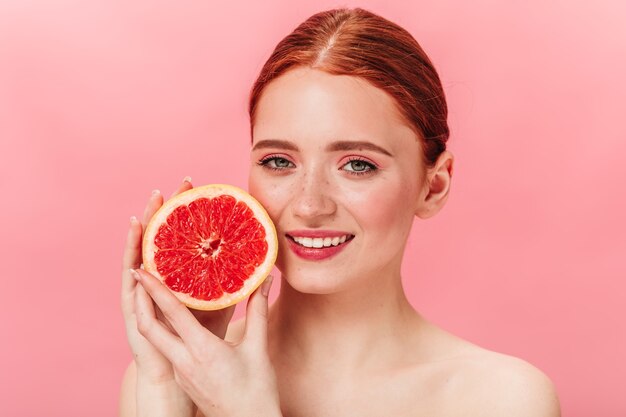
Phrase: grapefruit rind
x=211 y=191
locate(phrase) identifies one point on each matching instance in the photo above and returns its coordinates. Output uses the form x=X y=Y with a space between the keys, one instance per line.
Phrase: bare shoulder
x=495 y=384
x=474 y=381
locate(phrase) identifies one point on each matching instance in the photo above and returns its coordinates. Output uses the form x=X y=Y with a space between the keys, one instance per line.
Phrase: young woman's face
x=331 y=160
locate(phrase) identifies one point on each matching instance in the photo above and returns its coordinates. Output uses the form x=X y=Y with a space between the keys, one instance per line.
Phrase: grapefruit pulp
x=211 y=246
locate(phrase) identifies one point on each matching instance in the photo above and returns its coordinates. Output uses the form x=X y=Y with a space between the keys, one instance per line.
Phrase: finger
x=161 y=317
x=182 y=320
x=257 y=315
x=155 y=201
x=216 y=321
x=153 y=330
x=186 y=185
x=130 y=259
x=132 y=249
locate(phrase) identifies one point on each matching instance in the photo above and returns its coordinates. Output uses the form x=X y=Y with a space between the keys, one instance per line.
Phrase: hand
x=221 y=378
x=151 y=364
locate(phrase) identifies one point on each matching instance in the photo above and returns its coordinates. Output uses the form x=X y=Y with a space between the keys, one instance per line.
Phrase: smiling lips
x=318 y=244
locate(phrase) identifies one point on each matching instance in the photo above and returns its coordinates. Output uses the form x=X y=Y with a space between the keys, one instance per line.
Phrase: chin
x=309 y=282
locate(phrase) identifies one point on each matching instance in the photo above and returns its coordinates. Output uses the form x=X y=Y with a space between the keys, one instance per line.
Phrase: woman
x=348 y=125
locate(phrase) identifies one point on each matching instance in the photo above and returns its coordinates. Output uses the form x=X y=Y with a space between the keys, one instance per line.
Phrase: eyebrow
x=344 y=145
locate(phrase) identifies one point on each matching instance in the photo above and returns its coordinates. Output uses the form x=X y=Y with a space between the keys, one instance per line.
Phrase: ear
x=437 y=186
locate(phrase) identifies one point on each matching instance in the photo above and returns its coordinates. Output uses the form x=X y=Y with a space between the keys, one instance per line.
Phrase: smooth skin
x=341 y=339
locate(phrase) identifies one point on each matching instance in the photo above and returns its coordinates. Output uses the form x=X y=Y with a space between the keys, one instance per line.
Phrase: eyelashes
x=365 y=167
x=358 y=166
x=275 y=163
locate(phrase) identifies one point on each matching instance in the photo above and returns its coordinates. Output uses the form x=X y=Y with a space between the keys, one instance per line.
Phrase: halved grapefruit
x=211 y=246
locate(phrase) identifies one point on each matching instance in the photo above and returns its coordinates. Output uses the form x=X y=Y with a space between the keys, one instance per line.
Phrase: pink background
x=102 y=101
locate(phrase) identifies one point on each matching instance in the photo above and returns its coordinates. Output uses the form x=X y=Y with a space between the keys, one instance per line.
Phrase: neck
x=350 y=329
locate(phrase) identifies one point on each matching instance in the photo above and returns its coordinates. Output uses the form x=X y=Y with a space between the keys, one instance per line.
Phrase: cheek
x=267 y=192
x=383 y=205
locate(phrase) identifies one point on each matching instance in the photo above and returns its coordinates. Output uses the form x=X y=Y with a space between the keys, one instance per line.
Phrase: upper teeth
x=319 y=242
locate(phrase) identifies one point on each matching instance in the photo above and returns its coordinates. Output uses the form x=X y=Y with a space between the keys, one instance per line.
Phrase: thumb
x=257 y=315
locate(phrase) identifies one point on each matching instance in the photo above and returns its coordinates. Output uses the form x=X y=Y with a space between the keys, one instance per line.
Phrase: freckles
x=275 y=197
x=269 y=196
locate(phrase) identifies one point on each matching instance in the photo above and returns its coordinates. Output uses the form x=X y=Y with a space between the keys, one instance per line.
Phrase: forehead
x=309 y=106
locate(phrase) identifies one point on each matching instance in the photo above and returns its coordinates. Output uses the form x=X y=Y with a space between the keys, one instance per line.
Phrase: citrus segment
x=211 y=245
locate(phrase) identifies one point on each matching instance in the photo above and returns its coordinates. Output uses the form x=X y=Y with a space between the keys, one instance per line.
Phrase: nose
x=314 y=197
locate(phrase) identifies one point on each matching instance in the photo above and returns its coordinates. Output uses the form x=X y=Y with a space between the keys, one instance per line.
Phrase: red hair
x=359 y=43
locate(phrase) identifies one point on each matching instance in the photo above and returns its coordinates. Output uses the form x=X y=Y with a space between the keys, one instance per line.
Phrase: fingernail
x=267 y=284
x=135 y=274
x=133 y=219
x=187 y=179
x=156 y=192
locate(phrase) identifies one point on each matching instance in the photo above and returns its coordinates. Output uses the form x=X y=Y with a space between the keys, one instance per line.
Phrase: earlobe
x=437 y=187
